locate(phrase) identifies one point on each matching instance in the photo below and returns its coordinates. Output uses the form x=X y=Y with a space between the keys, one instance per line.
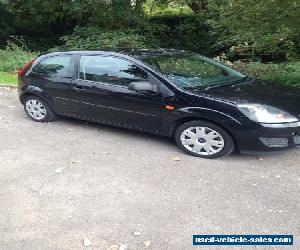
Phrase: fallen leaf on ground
x=113 y=247
x=147 y=243
x=174 y=158
x=59 y=170
x=122 y=247
x=86 y=242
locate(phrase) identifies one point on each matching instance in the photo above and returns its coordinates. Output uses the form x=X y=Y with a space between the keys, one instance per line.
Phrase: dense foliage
x=266 y=30
x=243 y=29
x=93 y=37
x=14 y=57
x=287 y=73
x=250 y=32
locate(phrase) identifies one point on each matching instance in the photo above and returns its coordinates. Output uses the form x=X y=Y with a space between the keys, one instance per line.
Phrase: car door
x=101 y=93
x=54 y=75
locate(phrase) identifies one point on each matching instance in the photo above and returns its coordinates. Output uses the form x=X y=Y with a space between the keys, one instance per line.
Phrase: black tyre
x=38 y=110
x=204 y=139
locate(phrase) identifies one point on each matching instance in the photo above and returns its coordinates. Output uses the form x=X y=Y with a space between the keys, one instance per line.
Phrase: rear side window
x=55 y=66
x=111 y=70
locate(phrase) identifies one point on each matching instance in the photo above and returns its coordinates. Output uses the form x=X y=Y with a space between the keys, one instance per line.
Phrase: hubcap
x=202 y=140
x=35 y=109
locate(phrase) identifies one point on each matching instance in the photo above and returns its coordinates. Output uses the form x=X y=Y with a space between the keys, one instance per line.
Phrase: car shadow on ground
x=153 y=138
x=118 y=131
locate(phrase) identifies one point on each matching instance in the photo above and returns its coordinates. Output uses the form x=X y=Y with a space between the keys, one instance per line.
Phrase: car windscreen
x=190 y=70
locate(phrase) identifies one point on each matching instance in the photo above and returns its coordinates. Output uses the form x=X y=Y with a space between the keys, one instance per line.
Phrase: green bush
x=93 y=38
x=266 y=31
x=189 y=32
x=284 y=73
x=14 y=57
x=267 y=47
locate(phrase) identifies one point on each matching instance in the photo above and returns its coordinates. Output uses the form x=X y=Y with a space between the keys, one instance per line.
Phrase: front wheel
x=204 y=139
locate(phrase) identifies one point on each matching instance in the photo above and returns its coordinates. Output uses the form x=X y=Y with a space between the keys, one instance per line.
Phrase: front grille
x=297 y=140
x=274 y=142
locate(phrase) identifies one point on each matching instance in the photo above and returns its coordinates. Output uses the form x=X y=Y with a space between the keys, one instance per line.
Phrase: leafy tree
x=93 y=38
x=263 y=30
x=6 y=28
x=267 y=30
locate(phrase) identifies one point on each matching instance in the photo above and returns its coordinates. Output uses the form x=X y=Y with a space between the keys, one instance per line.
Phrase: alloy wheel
x=35 y=109
x=202 y=140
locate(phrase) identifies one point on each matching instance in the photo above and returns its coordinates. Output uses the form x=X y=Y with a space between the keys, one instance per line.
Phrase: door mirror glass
x=143 y=87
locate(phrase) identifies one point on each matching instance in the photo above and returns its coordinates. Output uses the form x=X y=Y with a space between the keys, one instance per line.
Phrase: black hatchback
x=209 y=108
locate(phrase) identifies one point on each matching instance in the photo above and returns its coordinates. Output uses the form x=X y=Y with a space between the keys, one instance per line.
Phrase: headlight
x=266 y=114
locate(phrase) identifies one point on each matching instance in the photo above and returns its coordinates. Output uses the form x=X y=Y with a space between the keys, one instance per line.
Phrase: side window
x=107 y=69
x=55 y=66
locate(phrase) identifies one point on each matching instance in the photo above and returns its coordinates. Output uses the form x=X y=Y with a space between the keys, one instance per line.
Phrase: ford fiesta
x=210 y=109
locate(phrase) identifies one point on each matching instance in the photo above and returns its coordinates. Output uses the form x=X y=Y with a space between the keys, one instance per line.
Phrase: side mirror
x=143 y=87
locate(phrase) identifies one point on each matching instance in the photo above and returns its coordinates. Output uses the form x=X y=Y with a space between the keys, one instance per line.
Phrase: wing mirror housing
x=143 y=87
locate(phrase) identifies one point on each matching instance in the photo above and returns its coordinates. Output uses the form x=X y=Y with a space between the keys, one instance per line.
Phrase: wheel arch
x=38 y=94
x=183 y=120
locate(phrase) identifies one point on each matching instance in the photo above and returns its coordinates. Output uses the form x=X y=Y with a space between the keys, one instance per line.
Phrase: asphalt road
x=64 y=181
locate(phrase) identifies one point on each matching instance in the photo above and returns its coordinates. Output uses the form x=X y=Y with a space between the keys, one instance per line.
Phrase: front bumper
x=268 y=137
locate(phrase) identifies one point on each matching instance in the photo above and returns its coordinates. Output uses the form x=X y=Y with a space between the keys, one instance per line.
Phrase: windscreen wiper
x=245 y=80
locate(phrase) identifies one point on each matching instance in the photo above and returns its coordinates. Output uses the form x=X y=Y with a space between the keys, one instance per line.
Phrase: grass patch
x=13 y=58
x=8 y=78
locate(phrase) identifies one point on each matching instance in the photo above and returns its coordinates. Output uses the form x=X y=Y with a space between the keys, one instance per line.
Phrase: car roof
x=137 y=53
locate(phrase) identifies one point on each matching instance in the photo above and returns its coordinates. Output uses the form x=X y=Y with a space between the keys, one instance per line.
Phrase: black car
x=209 y=108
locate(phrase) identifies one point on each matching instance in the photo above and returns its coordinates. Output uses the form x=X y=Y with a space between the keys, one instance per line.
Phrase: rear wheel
x=204 y=139
x=38 y=110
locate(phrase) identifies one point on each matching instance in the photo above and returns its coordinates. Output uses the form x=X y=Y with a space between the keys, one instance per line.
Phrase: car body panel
x=119 y=106
x=258 y=91
x=116 y=104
